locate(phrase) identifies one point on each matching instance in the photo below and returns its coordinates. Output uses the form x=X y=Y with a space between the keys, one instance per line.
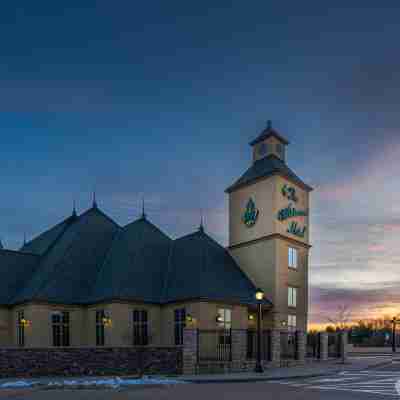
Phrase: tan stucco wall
x=263 y=256
x=120 y=333
x=258 y=261
x=263 y=195
x=39 y=333
x=6 y=332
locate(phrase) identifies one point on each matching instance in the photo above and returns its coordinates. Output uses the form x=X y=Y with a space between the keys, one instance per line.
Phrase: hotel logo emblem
x=251 y=213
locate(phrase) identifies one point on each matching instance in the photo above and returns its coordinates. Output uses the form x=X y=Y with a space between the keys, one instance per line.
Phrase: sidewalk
x=307 y=371
x=314 y=369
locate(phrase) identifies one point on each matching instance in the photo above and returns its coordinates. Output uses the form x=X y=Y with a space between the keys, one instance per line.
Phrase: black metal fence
x=288 y=346
x=214 y=345
x=265 y=345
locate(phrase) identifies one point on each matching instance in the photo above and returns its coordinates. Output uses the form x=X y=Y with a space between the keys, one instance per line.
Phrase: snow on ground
x=106 y=382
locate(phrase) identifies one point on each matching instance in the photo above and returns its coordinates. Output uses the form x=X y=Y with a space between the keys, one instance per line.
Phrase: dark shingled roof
x=264 y=167
x=42 y=243
x=66 y=272
x=201 y=268
x=90 y=259
x=135 y=266
x=266 y=133
x=15 y=270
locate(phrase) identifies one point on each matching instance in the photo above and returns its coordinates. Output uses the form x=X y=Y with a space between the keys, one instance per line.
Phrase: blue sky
x=159 y=99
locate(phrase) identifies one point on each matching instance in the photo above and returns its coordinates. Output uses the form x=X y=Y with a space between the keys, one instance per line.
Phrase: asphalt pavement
x=376 y=383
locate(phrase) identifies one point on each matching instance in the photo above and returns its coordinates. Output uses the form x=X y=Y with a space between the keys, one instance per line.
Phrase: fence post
x=239 y=347
x=323 y=346
x=275 y=346
x=343 y=345
x=190 y=351
x=300 y=345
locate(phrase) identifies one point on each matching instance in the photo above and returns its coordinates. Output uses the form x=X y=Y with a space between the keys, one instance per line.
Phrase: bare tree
x=341 y=318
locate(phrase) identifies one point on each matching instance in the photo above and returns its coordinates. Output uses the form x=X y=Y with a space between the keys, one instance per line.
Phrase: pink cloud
x=377 y=248
x=338 y=193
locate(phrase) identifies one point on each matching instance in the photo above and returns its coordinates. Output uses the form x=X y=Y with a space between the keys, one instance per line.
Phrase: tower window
x=292 y=296
x=292 y=257
x=279 y=149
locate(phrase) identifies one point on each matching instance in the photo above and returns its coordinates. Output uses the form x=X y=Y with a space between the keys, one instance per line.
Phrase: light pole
x=394 y=321
x=259 y=298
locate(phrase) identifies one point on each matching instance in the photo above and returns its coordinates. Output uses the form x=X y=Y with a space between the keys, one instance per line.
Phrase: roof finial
x=1 y=245
x=74 y=208
x=24 y=238
x=94 y=199
x=143 y=211
x=269 y=124
x=201 y=227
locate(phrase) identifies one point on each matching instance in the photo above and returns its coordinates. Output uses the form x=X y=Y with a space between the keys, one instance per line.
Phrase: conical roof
x=135 y=266
x=65 y=274
x=201 y=268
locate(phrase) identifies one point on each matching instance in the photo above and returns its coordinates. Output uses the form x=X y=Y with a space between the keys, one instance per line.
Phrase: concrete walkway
x=313 y=369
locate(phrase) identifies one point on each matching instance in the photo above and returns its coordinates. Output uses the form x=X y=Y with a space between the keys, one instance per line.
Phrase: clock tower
x=269 y=230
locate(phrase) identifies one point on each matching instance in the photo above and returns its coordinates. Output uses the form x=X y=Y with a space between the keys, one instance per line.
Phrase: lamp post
x=394 y=321
x=259 y=298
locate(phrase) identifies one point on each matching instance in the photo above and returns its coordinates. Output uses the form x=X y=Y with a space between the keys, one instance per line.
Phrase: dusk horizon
x=147 y=104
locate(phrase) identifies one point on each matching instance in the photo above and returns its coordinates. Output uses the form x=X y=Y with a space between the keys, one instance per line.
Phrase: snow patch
x=106 y=382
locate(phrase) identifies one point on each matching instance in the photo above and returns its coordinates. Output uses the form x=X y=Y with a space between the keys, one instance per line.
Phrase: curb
x=261 y=379
x=282 y=378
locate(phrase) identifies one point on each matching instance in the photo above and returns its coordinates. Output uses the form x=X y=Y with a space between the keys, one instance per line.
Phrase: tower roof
x=268 y=132
x=265 y=167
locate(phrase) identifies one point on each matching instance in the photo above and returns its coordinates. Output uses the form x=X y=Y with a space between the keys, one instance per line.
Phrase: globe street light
x=259 y=297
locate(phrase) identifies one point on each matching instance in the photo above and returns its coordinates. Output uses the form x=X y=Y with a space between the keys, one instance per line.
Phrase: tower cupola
x=269 y=142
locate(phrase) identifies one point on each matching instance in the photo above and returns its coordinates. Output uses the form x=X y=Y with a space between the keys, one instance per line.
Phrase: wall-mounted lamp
x=251 y=317
x=106 y=320
x=219 y=318
x=24 y=322
x=189 y=319
x=284 y=323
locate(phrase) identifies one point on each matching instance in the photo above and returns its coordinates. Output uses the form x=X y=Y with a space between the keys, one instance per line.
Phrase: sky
x=159 y=99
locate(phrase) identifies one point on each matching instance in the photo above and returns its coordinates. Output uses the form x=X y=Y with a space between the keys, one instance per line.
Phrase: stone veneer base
x=37 y=362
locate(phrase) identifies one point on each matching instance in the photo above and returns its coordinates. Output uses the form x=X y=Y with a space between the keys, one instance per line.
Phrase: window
x=20 y=328
x=292 y=260
x=224 y=322
x=140 y=328
x=100 y=315
x=60 y=325
x=292 y=322
x=279 y=150
x=180 y=323
x=292 y=297
x=224 y=319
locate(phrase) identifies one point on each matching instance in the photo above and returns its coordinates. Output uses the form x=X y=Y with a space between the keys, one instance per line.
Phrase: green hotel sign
x=289 y=192
x=251 y=213
x=294 y=229
x=292 y=212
